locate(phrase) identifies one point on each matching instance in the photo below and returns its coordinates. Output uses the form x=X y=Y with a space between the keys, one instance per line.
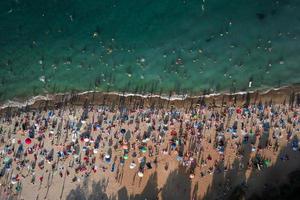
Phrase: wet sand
x=276 y=95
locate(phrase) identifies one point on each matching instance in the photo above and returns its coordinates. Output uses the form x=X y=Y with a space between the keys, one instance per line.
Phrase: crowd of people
x=81 y=141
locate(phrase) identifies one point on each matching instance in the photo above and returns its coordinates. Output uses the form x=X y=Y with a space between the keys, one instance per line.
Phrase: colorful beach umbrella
x=7 y=160
x=28 y=141
x=267 y=163
x=173 y=132
x=173 y=145
x=107 y=158
x=143 y=149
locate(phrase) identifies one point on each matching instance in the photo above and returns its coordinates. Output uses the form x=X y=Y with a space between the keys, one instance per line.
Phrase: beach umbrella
x=75 y=156
x=84 y=148
x=123 y=131
x=28 y=141
x=86 y=139
x=18 y=187
x=13 y=181
x=143 y=149
x=144 y=140
x=173 y=132
x=267 y=163
x=7 y=160
x=132 y=165
x=85 y=158
x=140 y=174
x=173 y=145
x=107 y=158
x=125 y=147
x=126 y=156
x=192 y=176
x=238 y=111
x=295 y=144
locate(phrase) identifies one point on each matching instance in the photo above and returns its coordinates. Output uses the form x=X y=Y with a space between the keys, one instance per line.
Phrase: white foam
x=31 y=101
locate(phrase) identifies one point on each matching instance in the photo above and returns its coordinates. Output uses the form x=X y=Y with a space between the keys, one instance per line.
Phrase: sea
x=147 y=46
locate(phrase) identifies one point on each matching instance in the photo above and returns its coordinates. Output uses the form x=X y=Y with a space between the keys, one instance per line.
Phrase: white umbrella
x=132 y=165
x=140 y=174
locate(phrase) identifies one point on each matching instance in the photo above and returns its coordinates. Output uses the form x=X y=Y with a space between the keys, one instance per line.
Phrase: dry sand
x=173 y=183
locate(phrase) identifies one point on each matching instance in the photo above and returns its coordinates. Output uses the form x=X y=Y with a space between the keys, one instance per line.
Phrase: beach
x=203 y=151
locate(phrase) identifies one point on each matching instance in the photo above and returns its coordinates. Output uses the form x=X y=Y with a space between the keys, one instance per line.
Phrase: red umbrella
x=85 y=158
x=173 y=132
x=28 y=141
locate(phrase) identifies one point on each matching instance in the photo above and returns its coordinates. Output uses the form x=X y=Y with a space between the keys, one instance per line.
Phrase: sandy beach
x=77 y=149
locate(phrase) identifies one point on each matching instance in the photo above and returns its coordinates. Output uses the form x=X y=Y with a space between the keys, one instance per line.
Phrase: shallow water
x=141 y=46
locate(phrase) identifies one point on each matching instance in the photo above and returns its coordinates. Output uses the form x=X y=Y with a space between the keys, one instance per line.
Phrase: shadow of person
x=177 y=186
x=97 y=192
x=150 y=191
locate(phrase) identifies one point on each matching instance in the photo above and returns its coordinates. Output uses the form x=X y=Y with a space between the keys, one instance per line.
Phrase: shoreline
x=130 y=99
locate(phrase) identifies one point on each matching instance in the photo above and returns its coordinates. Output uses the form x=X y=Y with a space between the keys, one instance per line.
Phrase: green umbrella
x=144 y=149
x=7 y=160
x=267 y=163
x=18 y=187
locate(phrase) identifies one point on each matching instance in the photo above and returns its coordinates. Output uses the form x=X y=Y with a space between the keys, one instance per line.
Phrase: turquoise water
x=141 y=46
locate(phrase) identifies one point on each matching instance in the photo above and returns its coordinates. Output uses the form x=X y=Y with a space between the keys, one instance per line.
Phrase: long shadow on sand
x=178 y=186
x=98 y=191
x=228 y=184
x=262 y=183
